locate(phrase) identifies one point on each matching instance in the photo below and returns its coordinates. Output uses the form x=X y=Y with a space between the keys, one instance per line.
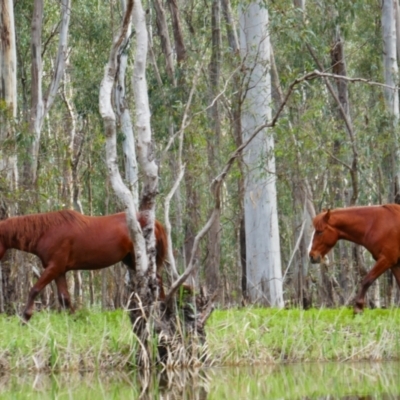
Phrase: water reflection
x=297 y=381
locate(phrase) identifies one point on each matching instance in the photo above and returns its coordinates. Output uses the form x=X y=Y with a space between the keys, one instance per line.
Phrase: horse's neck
x=350 y=228
x=10 y=237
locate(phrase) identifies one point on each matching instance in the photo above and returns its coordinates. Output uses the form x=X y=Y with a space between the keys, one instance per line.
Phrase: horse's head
x=323 y=239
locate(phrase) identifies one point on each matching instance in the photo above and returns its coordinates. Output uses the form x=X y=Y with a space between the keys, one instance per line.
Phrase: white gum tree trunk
x=391 y=69
x=109 y=118
x=122 y=110
x=390 y=33
x=8 y=95
x=391 y=74
x=263 y=260
x=39 y=105
x=8 y=89
x=145 y=152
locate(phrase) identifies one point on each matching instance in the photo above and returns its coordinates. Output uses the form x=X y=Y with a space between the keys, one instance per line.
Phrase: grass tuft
x=259 y=335
x=92 y=340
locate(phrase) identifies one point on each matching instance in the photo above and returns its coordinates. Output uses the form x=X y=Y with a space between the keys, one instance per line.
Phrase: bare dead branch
x=218 y=180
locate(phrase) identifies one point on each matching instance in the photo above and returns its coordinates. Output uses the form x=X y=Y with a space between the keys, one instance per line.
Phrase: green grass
x=258 y=335
x=94 y=340
x=87 y=340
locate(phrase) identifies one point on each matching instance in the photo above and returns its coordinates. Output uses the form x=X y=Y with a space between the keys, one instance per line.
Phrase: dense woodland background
x=336 y=140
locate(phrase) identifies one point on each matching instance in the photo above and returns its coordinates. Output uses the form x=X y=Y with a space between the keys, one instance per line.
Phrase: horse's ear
x=327 y=215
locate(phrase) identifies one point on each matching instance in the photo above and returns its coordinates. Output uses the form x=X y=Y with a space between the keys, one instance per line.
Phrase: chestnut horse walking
x=67 y=240
x=377 y=228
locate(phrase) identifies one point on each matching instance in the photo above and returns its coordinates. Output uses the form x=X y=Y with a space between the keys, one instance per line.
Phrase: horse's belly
x=97 y=257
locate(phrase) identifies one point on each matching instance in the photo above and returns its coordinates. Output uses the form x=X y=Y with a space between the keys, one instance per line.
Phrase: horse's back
x=87 y=242
x=394 y=209
x=94 y=242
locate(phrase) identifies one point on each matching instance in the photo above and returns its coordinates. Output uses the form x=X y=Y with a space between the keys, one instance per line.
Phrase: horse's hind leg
x=47 y=276
x=377 y=270
x=63 y=294
x=396 y=273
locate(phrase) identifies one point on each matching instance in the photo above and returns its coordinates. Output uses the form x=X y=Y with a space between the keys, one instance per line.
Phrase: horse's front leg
x=377 y=270
x=51 y=272
x=63 y=293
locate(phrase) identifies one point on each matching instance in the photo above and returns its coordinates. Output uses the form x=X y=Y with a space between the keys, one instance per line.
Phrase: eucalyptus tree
x=263 y=259
x=40 y=105
x=8 y=94
x=391 y=71
x=8 y=154
x=148 y=316
x=212 y=262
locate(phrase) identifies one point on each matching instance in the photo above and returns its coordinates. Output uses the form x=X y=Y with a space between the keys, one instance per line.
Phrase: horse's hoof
x=358 y=310
x=25 y=318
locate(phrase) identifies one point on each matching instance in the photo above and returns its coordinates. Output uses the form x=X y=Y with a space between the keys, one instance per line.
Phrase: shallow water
x=295 y=381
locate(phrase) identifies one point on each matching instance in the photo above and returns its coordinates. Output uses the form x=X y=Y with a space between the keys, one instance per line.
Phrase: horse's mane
x=28 y=229
x=319 y=222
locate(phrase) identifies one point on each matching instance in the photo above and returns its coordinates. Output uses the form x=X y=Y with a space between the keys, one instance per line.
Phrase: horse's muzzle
x=315 y=259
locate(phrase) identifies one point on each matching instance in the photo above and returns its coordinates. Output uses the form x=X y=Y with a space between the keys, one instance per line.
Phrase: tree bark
x=391 y=71
x=8 y=93
x=109 y=118
x=180 y=47
x=212 y=263
x=391 y=44
x=39 y=105
x=166 y=47
x=264 y=272
x=235 y=121
x=8 y=158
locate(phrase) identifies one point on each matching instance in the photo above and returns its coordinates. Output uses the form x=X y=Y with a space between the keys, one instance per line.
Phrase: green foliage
x=307 y=134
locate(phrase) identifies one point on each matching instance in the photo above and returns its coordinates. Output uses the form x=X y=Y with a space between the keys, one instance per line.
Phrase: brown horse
x=377 y=228
x=67 y=240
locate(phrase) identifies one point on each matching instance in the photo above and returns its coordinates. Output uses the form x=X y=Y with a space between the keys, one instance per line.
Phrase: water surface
x=295 y=381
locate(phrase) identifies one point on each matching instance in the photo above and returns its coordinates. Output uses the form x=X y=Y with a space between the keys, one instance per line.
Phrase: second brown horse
x=67 y=240
x=377 y=228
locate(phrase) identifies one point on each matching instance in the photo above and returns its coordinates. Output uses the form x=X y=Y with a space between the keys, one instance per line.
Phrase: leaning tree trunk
x=151 y=319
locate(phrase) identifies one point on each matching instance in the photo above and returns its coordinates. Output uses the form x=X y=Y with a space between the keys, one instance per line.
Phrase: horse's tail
x=161 y=244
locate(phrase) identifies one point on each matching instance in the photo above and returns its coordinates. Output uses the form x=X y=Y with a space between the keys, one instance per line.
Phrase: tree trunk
x=39 y=105
x=391 y=94
x=149 y=318
x=8 y=158
x=166 y=47
x=235 y=121
x=303 y=199
x=264 y=274
x=391 y=52
x=180 y=47
x=8 y=93
x=212 y=263
x=70 y=187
